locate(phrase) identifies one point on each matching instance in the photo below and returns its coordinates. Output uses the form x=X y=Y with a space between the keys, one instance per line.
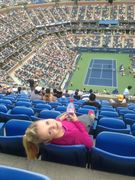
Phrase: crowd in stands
x=50 y=65
x=19 y=36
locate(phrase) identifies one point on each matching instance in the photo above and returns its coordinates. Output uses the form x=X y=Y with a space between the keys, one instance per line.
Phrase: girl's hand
x=73 y=117
x=63 y=116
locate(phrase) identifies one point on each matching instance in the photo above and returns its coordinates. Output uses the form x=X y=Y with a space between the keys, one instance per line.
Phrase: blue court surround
x=101 y=72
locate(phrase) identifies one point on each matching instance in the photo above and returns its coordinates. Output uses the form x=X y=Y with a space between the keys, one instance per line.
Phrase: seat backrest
x=112 y=123
x=46 y=114
x=125 y=111
x=5 y=101
x=89 y=107
x=15 y=127
x=61 y=108
x=23 y=99
x=34 y=102
x=129 y=116
x=108 y=109
x=9 y=173
x=116 y=143
x=22 y=110
x=108 y=114
x=23 y=103
x=3 y=108
x=12 y=145
x=83 y=111
x=55 y=104
x=75 y=155
x=5 y=116
x=43 y=106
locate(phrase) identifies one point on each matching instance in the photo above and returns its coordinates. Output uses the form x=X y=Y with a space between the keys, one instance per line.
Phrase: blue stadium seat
x=11 y=98
x=90 y=107
x=35 y=102
x=107 y=109
x=129 y=118
x=75 y=155
x=22 y=110
x=47 y=114
x=112 y=125
x=23 y=103
x=12 y=145
x=108 y=114
x=63 y=101
x=82 y=111
x=131 y=106
x=6 y=102
x=61 y=109
x=16 y=127
x=10 y=173
x=133 y=129
x=54 y=104
x=114 y=152
x=125 y=111
x=42 y=106
x=3 y=108
x=4 y=117
x=24 y=99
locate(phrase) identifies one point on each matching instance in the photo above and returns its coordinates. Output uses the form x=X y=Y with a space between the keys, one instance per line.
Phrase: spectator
x=66 y=94
x=119 y=102
x=48 y=96
x=19 y=90
x=76 y=95
x=92 y=101
x=126 y=91
x=36 y=94
x=115 y=91
x=59 y=131
x=31 y=84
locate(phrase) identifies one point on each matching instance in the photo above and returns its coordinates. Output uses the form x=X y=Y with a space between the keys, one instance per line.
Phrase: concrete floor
x=58 y=171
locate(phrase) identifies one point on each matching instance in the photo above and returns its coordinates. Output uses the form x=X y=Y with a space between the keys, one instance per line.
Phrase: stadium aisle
x=58 y=171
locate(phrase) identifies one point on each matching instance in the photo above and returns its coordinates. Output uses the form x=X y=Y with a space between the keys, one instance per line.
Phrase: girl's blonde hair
x=31 y=142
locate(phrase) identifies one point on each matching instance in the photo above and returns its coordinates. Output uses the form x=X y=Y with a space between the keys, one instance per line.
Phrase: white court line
x=112 y=73
x=90 y=67
x=102 y=78
x=101 y=71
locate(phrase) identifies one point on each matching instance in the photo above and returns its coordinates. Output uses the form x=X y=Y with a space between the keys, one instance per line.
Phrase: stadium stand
x=41 y=42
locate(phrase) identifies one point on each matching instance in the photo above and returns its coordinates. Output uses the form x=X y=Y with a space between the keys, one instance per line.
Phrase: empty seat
x=22 y=110
x=23 y=103
x=129 y=118
x=75 y=155
x=112 y=125
x=108 y=114
x=47 y=114
x=16 y=127
x=12 y=145
x=42 y=106
x=10 y=173
x=55 y=104
x=61 y=109
x=3 y=108
x=114 y=152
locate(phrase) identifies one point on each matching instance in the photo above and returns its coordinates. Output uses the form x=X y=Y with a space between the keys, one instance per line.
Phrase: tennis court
x=101 y=72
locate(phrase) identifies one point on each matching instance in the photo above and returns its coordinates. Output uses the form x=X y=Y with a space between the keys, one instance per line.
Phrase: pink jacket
x=75 y=133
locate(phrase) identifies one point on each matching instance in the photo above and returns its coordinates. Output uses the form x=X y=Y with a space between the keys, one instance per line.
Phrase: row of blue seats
x=121 y=111
x=112 y=151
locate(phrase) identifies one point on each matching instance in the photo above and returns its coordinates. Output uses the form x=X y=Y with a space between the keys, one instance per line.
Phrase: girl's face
x=48 y=129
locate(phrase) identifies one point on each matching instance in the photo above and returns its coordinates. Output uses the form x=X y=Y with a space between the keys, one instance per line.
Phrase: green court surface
x=79 y=74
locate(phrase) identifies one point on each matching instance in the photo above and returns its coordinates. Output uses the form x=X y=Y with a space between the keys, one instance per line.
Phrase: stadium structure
x=74 y=45
x=43 y=41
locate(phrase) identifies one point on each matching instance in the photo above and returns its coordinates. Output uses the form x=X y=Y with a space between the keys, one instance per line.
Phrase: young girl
x=61 y=131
